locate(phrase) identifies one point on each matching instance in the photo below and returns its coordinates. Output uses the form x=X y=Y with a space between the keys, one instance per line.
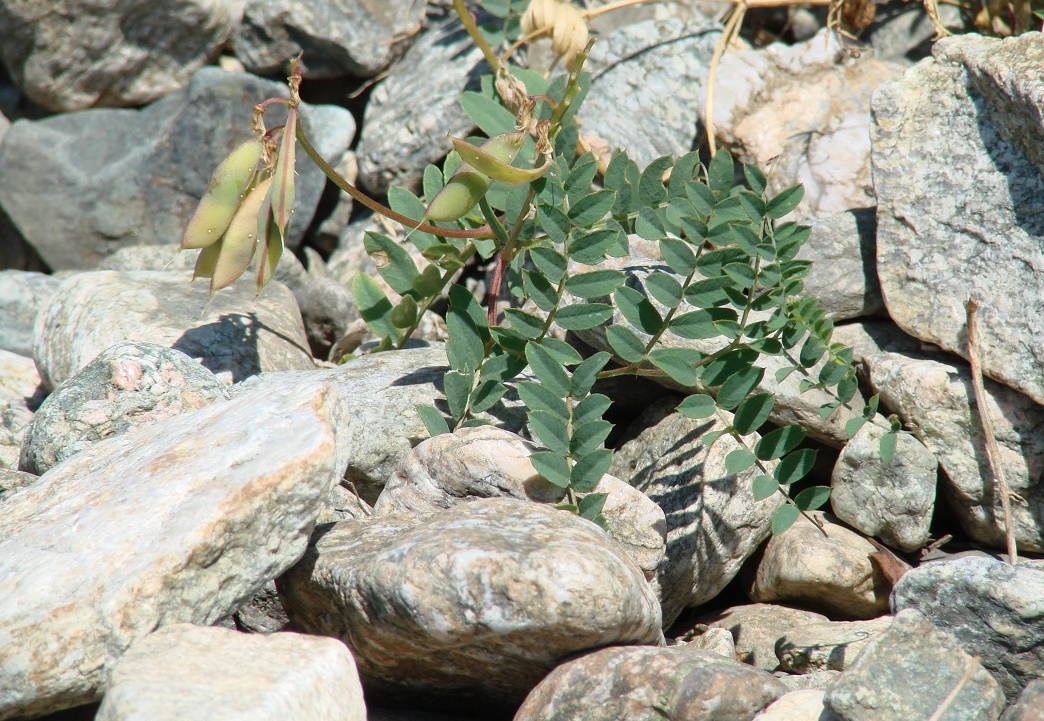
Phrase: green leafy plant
x=548 y=224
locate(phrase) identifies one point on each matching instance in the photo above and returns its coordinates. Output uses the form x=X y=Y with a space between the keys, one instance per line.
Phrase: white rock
x=800 y=705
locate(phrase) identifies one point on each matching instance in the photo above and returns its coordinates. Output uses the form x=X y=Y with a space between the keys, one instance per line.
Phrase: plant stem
x=476 y=35
x=340 y=182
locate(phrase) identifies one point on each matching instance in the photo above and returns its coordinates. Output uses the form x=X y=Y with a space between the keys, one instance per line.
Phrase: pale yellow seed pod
x=224 y=195
x=540 y=14
x=467 y=185
x=240 y=240
x=569 y=35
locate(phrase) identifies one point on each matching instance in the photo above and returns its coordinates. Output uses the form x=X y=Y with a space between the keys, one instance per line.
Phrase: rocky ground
x=203 y=517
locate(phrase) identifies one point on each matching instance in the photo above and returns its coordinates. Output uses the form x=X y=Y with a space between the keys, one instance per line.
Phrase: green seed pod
x=224 y=194
x=205 y=261
x=269 y=252
x=484 y=162
x=282 y=194
x=240 y=240
x=467 y=185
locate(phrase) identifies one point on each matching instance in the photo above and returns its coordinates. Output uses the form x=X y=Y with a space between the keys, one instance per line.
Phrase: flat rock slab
x=22 y=294
x=827 y=645
x=958 y=174
x=909 y=672
x=182 y=671
x=756 y=627
x=994 y=610
x=476 y=603
x=235 y=335
x=181 y=521
x=637 y=683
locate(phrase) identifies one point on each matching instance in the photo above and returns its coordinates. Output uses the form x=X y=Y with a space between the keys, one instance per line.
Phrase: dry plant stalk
x=969 y=671
x=992 y=449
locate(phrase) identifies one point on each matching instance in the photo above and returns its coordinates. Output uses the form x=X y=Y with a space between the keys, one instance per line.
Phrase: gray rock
x=633 y=683
x=181 y=521
x=909 y=672
x=995 y=611
x=906 y=33
x=757 y=627
x=1030 y=705
x=713 y=522
x=817 y=680
x=263 y=613
x=878 y=336
x=179 y=670
x=488 y=462
x=336 y=37
x=128 y=386
x=410 y=113
x=148 y=168
x=936 y=398
x=716 y=640
x=827 y=569
x=80 y=54
x=958 y=186
x=802 y=110
x=826 y=646
x=385 y=389
x=844 y=275
x=476 y=603
x=11 y=481
x=798 y=705
x=891 y=501
x=21 y=393
x=22 y=295
x=636 y=66
x=235 y=335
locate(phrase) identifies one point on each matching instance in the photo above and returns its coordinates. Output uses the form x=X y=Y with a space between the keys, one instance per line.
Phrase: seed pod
x=224 y=194
x=569 y=35
x=467 y=185
x=269 y=252
x=205 y=261
x=282 y=193
x=538 y=15
x=486 y=164
x=240 y=241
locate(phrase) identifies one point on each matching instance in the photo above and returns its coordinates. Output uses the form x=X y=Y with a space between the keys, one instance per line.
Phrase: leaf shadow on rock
x=230 y=344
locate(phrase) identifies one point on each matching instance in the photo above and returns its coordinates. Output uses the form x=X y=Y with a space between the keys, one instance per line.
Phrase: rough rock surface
x=799 y=705
x=22 y=295
x=383 y=423
x=489 y=462
x=409 y=113
x=21 y=393
x=844 y=275
x=803 y=110
x=129 y=53
x=147 y=168
x=126 y=387
x=633 y=68
x=890 y=501
x=832 y=573
x=995 y=611
x=11 y=481
x=1030 y=705
x=826 y=646
x=478 y=602
x=958 y=173
x=632 y=683
x=336 y=37
x=936 y=397
x=179 y=670
x=757 y=627
x=153 y=528
x=908 y=672
x=713 y=522
x=235 y=335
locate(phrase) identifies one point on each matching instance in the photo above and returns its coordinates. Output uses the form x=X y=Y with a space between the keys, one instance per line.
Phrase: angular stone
x=1030 y=705
x=878 y=336
x=958 y=183
x=995 y=611
x=335 y=37
x=634 y=67
x=713 y=522
x=11 y=481
x=385 y=390
x=803 y=110
x=817 y=680
x=636 y=683
x=22 y=295
x=843 y=277
x=148 y=168
x=180 y=670
x=21 y=393
x=800 y=705
x=488 y=462
x=909 y=672
x=130 y=53
x=716 y=640
x=476 y=603
x=181 y=521
x=827 y=645
x=410 y=113
x=128 y=386
x=757 y=627
x=890 y=501
x=936 y=396
x=236 y=334
x=828 y=569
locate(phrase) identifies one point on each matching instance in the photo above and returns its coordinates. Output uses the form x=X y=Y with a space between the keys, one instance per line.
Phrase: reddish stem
x=494 y=289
